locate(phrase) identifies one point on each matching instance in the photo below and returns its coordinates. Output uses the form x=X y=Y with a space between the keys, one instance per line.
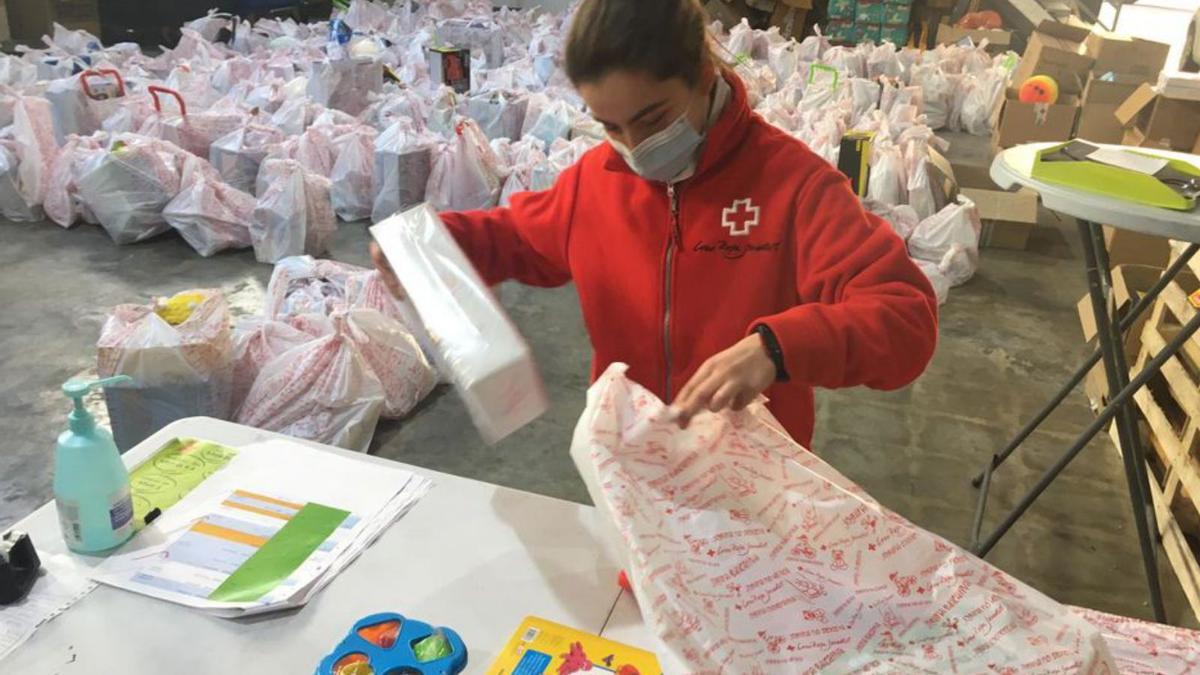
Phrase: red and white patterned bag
x=748 y=554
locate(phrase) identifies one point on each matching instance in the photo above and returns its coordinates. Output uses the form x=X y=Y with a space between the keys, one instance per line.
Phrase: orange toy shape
x=1039 y=89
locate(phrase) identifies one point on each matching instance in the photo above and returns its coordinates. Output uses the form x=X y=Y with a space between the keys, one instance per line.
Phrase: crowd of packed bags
x=267 y=138
x=330 y=355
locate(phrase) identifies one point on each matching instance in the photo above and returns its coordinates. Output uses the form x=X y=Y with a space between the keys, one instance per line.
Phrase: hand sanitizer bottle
x=91 y=484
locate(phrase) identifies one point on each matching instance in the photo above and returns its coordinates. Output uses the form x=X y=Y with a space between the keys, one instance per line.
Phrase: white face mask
x=664 y=155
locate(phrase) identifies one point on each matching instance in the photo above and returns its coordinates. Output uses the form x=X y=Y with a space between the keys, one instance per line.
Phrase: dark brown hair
x=664 y=38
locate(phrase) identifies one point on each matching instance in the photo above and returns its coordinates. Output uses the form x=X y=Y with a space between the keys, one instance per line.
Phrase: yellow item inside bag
x=179 y=307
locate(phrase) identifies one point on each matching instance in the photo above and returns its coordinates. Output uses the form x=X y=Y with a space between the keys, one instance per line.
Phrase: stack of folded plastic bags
x=329 y=356
x=312 y=125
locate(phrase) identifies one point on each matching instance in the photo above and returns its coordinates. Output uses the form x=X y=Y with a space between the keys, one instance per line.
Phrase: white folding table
x=1013 y=168
x=472 y=556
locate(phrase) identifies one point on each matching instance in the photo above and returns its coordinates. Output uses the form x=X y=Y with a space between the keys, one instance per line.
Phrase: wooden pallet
x=1183 y=551
x=1170 y=407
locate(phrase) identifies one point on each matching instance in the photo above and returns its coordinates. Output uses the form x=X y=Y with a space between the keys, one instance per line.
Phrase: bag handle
x=155 y=90
x=101 y=72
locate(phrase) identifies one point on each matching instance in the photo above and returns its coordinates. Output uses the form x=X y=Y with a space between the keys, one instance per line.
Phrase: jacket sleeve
x=867 y=314
x=526 y=241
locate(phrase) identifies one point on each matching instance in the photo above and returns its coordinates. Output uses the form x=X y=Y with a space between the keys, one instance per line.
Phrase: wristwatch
x=771 y=343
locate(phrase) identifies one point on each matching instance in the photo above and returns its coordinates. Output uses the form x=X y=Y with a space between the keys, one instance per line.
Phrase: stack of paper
x=1179 y=85
x=266 y=532
x=61 y=585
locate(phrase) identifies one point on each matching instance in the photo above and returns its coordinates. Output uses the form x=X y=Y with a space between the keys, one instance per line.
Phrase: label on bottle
x=120 y=512
x=68 y=520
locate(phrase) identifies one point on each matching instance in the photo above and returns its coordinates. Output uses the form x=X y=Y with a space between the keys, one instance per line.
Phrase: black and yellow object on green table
x=1133 y=175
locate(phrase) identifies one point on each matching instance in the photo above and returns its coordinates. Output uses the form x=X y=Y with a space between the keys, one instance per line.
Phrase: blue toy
x=383 y=644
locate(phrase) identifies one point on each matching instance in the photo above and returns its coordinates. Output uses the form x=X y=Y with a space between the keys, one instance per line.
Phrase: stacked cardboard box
x=790 y=16
x=852 y=22
x=1159 y=120
x=998 y=40
x=1096 y=72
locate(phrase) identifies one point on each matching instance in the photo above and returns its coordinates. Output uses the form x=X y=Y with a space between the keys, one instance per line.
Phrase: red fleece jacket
x=764 y=232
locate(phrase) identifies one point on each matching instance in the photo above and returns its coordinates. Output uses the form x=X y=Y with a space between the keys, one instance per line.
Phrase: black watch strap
x=773 y=350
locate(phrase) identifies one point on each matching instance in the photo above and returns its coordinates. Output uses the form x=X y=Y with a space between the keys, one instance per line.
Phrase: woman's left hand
x=731 y=379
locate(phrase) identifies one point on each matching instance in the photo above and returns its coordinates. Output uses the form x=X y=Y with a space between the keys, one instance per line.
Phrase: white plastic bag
x=950 y=239
x=12 y=204
x=749 y=554
x=344 y=84
x=352 y=173
x=257 y=340
x=78 y=104
x=937 y=93
x=941 y=284
x=902 y=217
x=553 y=123
x=128 y=186
x=466 y=174
x=294 y=214
x=887 y=183
x=62 y=203
x=306 y=285
x=210 y=215
x=236 y=156
x=34 y=146
x=394 y=357
x=322 y=390
x=178 y=371
x=403 y=162
x=192 y=131
x=527 y=160
x=499 y=114
x=313 y=149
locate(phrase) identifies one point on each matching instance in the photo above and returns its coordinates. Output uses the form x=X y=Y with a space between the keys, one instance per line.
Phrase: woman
x=713 y=253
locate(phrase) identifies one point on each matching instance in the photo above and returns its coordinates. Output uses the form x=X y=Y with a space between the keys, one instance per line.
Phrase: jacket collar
x=721 y=140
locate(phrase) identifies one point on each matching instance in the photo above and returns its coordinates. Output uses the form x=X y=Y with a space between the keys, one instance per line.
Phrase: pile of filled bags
x=268 y=138
x=330 y=355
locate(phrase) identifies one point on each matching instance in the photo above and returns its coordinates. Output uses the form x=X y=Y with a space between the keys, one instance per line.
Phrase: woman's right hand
x=386 y=272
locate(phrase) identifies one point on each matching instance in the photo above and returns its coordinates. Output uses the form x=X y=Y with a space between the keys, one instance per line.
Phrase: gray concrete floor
x=1008 y=339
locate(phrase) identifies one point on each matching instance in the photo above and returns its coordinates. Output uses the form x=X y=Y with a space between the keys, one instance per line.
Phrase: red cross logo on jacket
x=740 y=217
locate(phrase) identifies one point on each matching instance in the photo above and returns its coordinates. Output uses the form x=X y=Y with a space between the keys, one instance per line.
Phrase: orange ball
x=1038 y=89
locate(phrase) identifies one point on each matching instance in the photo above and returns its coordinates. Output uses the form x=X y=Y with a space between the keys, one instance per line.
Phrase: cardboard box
x=998 y=40
x=478 y=346
x=941 y=179
x=854 y=159
x=450 y=66
x=1097 y=114
x=1126 y=247
x=790 y=17
x=1153 y=120
x=1008 y=217
x=1123 y=54
x=1015 y=122
x=1056 y=49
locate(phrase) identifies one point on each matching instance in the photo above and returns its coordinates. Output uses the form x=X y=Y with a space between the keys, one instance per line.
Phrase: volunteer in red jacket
x=713 y=253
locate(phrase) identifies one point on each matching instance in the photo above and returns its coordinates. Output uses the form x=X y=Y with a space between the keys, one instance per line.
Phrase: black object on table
x=1120 y=408
x=19 y=565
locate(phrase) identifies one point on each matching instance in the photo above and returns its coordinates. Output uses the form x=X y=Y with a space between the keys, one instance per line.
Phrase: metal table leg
x=1106 y=415
x=983 y=479
x=1117 y=372
x=1120 y=407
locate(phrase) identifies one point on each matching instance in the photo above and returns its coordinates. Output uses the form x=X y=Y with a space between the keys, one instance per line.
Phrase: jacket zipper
x=673 y=241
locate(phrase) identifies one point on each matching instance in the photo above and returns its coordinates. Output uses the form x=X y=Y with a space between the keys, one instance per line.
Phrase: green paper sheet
x=175 y=470
x=285 y=551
